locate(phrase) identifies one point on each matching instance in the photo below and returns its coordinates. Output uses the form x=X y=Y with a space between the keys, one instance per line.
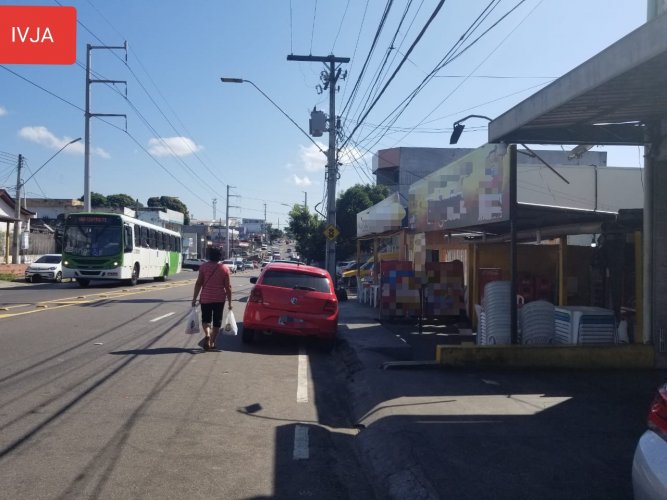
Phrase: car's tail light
x=256 y=296
x=330 y=307
x=657 y=415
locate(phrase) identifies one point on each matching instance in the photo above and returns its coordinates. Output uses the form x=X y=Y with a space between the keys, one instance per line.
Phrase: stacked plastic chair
x=481 y=325
x=584 y=325
x=497 y=308
x=537 y=322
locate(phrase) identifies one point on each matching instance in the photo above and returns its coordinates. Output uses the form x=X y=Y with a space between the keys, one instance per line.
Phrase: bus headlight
x=115 y=264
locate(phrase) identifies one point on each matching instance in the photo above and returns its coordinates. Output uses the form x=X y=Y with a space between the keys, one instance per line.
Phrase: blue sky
x=189 y=135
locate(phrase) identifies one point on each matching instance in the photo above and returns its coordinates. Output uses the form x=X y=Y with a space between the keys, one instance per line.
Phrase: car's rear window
x=291 y=279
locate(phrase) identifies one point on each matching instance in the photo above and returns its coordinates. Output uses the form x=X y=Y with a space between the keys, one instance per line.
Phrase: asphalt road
x=102 y=395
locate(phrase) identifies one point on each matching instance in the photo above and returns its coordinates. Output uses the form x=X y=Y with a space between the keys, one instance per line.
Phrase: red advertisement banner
x=37 y=35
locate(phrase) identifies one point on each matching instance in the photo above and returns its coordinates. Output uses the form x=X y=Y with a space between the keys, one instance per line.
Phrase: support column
x=655 y=237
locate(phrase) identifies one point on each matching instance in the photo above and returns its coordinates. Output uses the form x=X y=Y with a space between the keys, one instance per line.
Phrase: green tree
x=308 y=232
x=122 y=200
x=172 y=203
x=273 y=233
x=97 y=200
x=350 y=202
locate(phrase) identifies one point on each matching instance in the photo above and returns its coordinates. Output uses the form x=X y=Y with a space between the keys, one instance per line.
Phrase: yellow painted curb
x=629 y=356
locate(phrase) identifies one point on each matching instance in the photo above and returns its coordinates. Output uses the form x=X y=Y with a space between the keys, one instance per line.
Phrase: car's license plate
x=285 y=320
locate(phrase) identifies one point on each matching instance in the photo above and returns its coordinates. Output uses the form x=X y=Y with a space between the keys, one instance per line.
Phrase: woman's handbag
x=192 y=322
x=229 y=326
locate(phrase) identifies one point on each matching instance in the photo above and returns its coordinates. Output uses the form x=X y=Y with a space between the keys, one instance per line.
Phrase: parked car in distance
x=47 y=267
x=193 y=264
x=292 y=299
x=649 y=465
x=349 y=278
x=248 y=264
x=344 y=266
x=231 y=264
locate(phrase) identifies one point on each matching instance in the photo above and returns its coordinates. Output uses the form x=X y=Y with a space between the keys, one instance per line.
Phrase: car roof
x=290 y=265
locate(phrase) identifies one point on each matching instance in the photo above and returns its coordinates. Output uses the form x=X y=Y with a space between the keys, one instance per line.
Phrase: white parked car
x=231 y=264
x=649 y=465
x=193 y=264
x=47 y=267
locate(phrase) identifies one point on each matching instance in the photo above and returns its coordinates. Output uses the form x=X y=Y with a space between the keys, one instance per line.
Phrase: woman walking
x=214 y=284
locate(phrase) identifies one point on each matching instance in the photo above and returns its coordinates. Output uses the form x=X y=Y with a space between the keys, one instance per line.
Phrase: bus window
x=160 y=240
x=151 y=238
x=137 y=236
x=128 y=238
x=144 y=237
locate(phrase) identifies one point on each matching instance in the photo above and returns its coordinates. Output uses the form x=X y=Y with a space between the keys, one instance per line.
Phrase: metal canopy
x=550 y=220
x=604 y=101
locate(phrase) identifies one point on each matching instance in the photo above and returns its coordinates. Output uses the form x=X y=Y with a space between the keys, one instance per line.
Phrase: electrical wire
x=340 y=26
x=378 y=31
x=384 y=88
x=398 y=110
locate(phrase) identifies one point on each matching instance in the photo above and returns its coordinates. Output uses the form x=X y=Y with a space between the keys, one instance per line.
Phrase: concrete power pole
x=331 y=78
x=17 y=214
x=88 y=115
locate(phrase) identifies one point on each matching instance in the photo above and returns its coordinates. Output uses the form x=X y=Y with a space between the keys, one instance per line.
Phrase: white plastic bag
x=229 y=326
x=192 y=322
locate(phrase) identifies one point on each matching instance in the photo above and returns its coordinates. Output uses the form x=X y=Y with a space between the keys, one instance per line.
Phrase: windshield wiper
x=301 y=287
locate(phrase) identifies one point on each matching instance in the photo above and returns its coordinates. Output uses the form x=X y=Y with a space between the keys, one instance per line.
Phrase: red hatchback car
x=292 y=299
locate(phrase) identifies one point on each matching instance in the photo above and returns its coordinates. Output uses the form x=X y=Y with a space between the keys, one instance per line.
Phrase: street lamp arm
x=459 y=126
x=241 y=80
x=474 y=116
x=47 y=161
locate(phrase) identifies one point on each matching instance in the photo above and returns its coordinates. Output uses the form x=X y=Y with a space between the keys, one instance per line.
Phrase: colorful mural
x=467 y=192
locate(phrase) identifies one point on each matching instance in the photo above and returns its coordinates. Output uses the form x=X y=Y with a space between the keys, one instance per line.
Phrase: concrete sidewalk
x=428 y=432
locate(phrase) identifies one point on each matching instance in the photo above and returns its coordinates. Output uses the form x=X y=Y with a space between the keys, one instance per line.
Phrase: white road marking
x=302 y=378
x=162 y=317
x=300 y=442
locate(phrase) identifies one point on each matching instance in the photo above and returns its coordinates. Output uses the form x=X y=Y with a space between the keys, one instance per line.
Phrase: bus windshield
x=99 y=240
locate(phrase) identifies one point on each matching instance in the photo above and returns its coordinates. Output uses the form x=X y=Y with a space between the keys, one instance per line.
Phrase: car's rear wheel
x=59 y=277
x=247 y=336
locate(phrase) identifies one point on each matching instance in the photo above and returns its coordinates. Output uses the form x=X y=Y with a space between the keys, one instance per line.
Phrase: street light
x=17 y=202
x=241 y=80
x=459 y=126
x=52 y=157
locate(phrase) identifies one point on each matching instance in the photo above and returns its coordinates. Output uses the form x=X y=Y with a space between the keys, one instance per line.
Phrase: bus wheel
x=164 y=276
x=135 y=275
x=83 y=282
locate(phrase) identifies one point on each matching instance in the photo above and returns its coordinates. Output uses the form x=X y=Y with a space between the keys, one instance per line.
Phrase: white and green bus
x=108 y=246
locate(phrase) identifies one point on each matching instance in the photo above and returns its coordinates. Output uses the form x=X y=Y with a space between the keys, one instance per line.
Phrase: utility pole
x=305 y=200
x=88 y=115
x=227 y=215
x=17 y=213
x=215 y=204
x=329 y=78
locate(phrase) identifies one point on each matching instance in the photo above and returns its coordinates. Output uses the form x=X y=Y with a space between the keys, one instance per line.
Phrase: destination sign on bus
x=94 y=219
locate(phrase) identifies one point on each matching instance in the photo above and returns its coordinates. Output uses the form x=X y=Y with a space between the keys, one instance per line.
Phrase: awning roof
x=603 y=101
x=556 y=220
